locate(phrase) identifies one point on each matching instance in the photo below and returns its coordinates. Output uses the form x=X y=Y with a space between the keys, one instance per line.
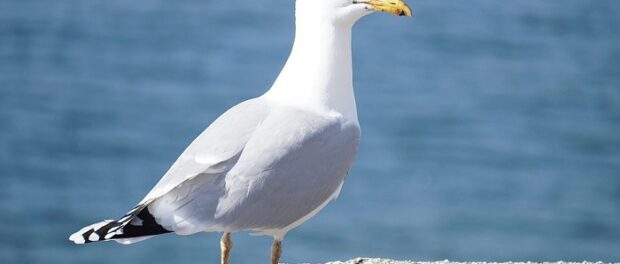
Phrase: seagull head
x=346 y=11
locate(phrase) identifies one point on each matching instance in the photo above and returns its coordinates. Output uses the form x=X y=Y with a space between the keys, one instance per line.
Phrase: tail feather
x=137 y=225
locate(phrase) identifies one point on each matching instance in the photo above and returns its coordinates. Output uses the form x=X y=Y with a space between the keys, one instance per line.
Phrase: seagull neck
x=318 y=73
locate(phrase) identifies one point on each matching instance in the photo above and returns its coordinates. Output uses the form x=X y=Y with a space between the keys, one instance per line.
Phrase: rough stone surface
x=390 y=261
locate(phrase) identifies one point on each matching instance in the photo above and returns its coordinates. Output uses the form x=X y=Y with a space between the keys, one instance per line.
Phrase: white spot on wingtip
x=77 y=238
x=93 y=237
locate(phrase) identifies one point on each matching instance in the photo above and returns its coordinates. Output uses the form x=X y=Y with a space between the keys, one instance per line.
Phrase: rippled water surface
x=491 y=129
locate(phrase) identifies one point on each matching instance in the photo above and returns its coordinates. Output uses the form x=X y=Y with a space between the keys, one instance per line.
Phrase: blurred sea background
x=491 y=129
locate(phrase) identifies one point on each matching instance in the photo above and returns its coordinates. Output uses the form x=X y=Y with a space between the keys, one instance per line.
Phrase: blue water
x=491 y=129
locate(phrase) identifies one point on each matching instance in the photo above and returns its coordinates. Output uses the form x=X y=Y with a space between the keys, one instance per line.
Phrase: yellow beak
x=395 y=7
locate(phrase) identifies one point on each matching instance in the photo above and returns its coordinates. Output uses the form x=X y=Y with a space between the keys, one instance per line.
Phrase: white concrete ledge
x=390 y=261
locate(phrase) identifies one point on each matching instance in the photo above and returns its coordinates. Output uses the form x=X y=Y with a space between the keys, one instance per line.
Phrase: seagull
x=272 y=162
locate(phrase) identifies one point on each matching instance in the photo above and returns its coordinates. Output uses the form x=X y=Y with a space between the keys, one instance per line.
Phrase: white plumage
x=284 y=163
x=270 y=163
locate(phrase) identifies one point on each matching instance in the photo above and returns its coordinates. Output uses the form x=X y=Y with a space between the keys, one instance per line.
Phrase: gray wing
x=292 y=164
x=216 y=149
